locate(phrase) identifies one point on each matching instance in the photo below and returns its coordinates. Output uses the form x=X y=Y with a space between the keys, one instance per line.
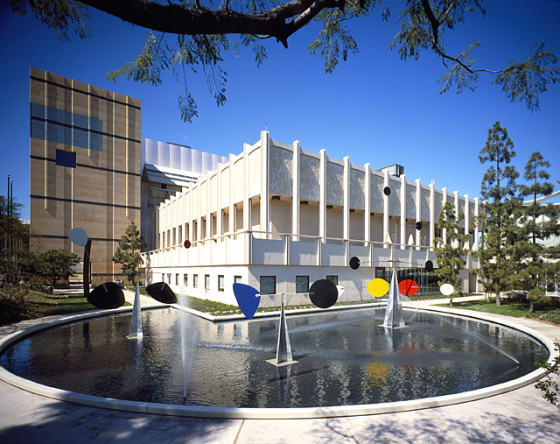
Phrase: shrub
x=56 y=265
x=13 y=306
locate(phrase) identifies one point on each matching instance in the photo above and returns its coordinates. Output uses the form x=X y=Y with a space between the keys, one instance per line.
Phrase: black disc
x=387 y=191
x=323 y=293
x=429 y=266
x=161 y=292
x=354 y=263
x=107 y=295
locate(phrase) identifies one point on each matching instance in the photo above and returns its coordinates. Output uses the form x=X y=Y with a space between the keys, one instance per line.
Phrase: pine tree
x=539 y=223
x=128 y=251
x=500 y=212
x=449 y=251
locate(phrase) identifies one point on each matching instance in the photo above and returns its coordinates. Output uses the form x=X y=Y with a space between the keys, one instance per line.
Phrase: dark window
x=61 y=126
x=66 y=159
x=268 y=285
x=333 y=279
x=195 y=281
x=302 y=284
x=221 y=283
x=207 y=282
x=237 y=279
x=186 y=280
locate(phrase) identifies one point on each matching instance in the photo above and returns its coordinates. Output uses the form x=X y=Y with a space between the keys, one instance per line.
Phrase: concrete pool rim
x=271 y=413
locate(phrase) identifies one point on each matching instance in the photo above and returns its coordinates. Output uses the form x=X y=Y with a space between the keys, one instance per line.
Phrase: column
x=219 y=212
x=403 y=212
x=208 y=198
x=246 y=201
x=432 y=213
x=386 y=201
x=247 y=224
x=323 y=196
x=418 y=210
x=232 y=206
x=467 y=216
x=191 y=216
x=265 y=195
x=456 y=197
x=476 y=233
x=367 y=204
x=295 y=191
x=346 y=200
x=443 y=202
x=199 y=216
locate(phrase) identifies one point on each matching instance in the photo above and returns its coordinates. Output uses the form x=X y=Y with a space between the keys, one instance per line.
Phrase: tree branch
x=280 y=22
x=433 y=21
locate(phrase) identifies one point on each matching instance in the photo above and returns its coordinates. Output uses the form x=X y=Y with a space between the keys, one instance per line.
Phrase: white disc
x=446 y=289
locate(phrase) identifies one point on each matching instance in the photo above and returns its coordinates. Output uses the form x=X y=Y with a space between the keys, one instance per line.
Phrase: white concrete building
x=168 y=168
x=279 y=217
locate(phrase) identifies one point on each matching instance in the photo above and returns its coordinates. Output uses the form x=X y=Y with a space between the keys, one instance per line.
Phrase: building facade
x=167 y=169
x=279 y=217
x=84 y=165
x=90 y=168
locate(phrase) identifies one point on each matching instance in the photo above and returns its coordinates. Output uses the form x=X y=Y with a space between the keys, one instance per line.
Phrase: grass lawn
x=220 y=309
x=36 y=304
x=545 y=312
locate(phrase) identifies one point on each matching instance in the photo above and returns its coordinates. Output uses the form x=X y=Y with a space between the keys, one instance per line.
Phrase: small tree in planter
x=56 y=265
x=449 y=252
x=128 y=251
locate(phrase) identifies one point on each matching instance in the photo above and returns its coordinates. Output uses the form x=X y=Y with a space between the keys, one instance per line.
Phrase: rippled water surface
x=344 y=358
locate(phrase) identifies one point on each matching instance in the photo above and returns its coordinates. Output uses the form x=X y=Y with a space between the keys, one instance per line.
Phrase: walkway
x=521 y=416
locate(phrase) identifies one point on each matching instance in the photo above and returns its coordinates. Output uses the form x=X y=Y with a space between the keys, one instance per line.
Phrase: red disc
x=408 y=287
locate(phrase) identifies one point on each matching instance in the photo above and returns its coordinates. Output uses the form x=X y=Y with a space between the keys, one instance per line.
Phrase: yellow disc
x=378 y=287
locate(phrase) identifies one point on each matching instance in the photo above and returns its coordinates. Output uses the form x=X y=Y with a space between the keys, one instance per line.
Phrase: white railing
x=250 y=247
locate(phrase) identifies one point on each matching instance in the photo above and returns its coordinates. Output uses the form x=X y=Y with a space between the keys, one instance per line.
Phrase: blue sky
x=374 y=108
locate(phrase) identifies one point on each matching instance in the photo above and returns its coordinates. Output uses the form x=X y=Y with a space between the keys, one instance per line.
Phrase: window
x=302 y=284
x=207 y=282
x=237 y=280
x=268 y=285
x=66 y=159
x=221 y=283
x=59 y=126
x=169 y=278
x=186 y=280
x=195 y=280
x=163 y=277
x=176 y=278
x=333 y=279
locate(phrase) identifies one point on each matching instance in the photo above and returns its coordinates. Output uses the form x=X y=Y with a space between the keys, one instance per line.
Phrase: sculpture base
x=130 y=337
x=282 y=364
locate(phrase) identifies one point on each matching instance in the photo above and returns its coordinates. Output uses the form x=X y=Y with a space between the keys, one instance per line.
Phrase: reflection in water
x=343 y=358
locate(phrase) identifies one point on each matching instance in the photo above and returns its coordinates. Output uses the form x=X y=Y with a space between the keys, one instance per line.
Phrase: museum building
x=279 y=217
x=276 y=216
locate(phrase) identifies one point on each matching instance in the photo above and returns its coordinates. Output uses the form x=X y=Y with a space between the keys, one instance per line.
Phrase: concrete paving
x=520 y=416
